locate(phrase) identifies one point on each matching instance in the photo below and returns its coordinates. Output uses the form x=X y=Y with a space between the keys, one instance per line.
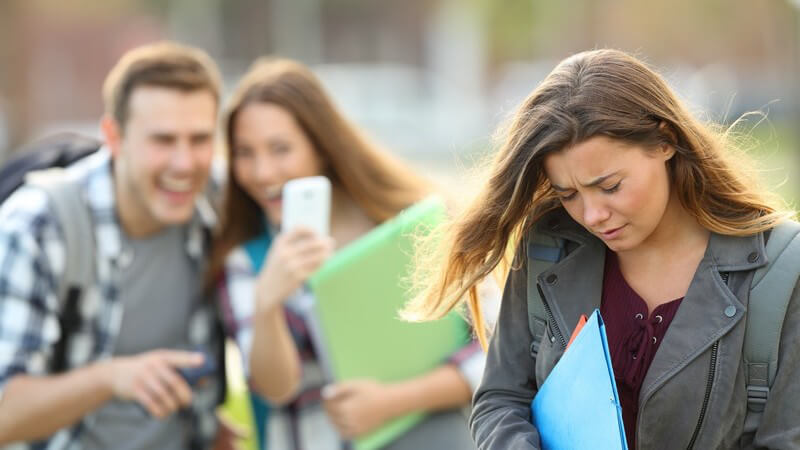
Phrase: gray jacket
x=708 y=328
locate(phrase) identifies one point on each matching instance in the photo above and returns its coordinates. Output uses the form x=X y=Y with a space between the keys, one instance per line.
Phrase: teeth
x=176 y=185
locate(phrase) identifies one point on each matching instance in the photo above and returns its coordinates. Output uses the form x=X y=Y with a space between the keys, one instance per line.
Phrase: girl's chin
x=273 y=219
x=270 y=216
x=621 y=246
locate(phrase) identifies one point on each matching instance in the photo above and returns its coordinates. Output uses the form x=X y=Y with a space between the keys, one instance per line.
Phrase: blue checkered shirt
x=32 y=261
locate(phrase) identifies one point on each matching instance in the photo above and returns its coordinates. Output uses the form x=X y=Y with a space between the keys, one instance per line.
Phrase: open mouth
x=274 y=192
x=176 y=186
x=176 y=190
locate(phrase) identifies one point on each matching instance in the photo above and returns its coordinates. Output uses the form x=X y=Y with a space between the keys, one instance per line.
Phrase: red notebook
x=578 y=328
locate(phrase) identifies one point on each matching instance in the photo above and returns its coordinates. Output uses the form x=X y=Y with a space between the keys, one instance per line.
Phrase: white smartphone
x=307 y=201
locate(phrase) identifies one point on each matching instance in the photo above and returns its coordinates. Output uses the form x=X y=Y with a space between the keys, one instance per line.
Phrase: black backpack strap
x=71 y=212
x=58 y=150
x=542 y=252
x=68 y=321
x=207 y=212
x=222 y=359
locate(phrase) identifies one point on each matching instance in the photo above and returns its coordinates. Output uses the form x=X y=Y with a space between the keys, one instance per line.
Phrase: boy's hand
x=151 y=379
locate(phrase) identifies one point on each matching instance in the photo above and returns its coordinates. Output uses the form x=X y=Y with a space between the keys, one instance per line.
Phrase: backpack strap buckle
x=757 y=397
x=538 y=326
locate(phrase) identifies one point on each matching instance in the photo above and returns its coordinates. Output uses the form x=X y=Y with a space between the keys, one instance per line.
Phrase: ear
x=112 y=133
x=667 y=130
x=666 y=151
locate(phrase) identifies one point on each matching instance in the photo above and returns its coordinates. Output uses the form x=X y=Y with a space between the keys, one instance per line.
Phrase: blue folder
x=578 y=405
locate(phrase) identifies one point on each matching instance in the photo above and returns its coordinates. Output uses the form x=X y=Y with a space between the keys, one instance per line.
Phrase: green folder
x=358 y=294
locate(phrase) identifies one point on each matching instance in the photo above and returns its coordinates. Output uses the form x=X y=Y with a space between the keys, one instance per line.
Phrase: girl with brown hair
x=658 y=225
x=281 y=125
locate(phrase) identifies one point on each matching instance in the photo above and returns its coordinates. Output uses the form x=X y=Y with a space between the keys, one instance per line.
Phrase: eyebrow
x=592 y=183
x=276 y=139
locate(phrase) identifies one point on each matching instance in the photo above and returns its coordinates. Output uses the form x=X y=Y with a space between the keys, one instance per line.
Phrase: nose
x=594 y=212
x=264 y=170
x=182 y=159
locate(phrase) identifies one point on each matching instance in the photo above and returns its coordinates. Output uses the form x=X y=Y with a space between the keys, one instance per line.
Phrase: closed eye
x=612 y=189
x=566 y=198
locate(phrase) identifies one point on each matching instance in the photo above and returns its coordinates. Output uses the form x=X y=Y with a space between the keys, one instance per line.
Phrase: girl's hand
x=294 y=256
x=357 y=407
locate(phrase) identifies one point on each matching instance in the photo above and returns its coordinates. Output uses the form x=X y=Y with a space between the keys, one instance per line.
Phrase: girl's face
x=269 y=148
x=617 y=191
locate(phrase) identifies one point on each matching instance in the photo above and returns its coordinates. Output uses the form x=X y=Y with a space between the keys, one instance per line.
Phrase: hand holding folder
x=577 y=406
x=355 y=326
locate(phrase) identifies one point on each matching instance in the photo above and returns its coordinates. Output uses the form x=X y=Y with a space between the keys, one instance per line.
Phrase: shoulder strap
x=770 y=292
x=542 y=252
x=71 y=212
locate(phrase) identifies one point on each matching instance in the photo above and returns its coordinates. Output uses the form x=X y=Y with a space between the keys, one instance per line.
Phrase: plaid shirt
x=302 y=424
x=32 y=261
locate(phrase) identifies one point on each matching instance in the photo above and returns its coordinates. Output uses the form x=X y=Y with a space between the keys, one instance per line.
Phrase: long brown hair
x=379 y=184
x=595 y=93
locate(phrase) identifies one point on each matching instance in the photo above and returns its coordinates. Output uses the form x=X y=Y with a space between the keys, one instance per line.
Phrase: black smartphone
x=195 y=375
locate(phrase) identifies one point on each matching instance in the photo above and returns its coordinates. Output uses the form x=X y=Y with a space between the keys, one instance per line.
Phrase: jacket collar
x=710 y=309
x=729 y=253
x=574 y=285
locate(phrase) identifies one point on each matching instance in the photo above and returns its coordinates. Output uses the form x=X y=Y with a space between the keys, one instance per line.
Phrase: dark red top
x=633 y=338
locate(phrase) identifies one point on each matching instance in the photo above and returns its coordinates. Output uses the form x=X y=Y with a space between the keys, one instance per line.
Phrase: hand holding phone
x=195 y=375
x=307 y=202
x=129 y=377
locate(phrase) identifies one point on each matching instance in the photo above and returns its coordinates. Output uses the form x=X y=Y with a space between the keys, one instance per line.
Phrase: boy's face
x=162 y=156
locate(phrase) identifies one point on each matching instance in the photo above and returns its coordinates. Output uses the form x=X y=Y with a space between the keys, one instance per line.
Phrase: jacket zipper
x=551 y=319
x=711 y=373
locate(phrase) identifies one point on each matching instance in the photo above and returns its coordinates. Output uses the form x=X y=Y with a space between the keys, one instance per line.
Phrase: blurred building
x=430 y=78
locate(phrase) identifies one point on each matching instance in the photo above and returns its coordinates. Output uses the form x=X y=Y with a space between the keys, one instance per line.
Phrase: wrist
x=400 y=400
x=103 y=375
x=268 y=307
x=268 y=299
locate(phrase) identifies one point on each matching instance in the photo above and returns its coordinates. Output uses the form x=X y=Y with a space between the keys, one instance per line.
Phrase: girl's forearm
x=274 y=362
x=440 y=389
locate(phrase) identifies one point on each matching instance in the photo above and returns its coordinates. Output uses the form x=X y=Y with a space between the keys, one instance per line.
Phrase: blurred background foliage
x=431 y=79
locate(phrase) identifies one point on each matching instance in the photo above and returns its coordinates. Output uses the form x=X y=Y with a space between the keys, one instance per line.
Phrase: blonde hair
x=595 y=93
